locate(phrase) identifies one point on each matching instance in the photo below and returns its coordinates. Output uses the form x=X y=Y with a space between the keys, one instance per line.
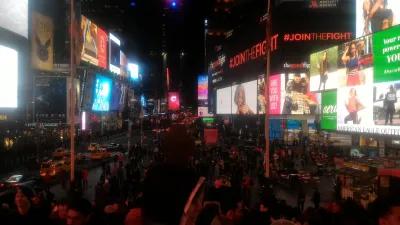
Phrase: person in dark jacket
x=301 y=198
x=316 y=198
x=390 y=100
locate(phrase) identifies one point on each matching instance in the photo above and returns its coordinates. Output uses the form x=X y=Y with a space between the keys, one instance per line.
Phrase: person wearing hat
x=25 y=214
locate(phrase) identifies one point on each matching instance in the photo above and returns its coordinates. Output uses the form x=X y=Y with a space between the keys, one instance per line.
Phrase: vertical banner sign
x=42 y=42
x=211 y=136
x=329 y=115
x=387 y=55
x=274 y=94
x=173 y=100
x=51 y=99
x=102 y=48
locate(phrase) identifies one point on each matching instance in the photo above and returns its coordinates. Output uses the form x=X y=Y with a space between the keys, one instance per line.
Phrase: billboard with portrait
x=203 y=112
x=386 y=104
x=323 y=69
x=51 y=99
x=355 y=62
x=244 y=98
x=328 y=110
x=42 y=42
x=224 y=103
x=123 y=65
x=14 y=16
x=387 y=54
x=114 y=54
x=297 y=96
x=118 y=95
x=375 y=15
x=173 y=101
x=202 y=87
x=94 y=48
x=102 y=93
x=8 y=77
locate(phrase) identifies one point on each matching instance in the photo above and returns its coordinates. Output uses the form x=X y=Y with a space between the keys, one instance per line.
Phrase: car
x=93 y=146
x=59 y=152
x=115 y=147
x=51 y=167
x=18 y=180
x=99 y=154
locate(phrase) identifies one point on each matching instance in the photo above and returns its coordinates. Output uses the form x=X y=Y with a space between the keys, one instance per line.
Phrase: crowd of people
x=213 y=187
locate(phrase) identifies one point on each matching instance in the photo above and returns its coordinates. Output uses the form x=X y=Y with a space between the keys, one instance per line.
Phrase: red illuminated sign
x=317 y=36
x=219 y=62
x=173 y=101
x=253 y=53
x=102 y=52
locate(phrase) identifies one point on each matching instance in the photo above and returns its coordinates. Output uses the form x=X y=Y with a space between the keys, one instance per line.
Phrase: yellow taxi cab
x=99 y=154
x=67 y=166
x=51 y=168
x=93 y=146
x=78 y=157
x=59 y=152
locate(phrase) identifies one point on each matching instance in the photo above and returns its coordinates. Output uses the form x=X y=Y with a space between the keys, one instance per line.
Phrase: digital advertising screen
x=114 y=53
x=386 y=104
x=102 y=93
x=375 y=15
x=261 y=94
x=123 y=65
x=297 y=96
x=8 y=77
x=131 y=98
x=202 y=88
x=323 y=70
x=102 y=50
x=224 y=102
x=276 y=93
x=14 y=16
x=387 y=54
x=328 y=114
x=51 y=99
x=77 y=89
x=88 y=92
x=173 y=101
x=203 y=112
x=355 y=62
x=133 y=71
x=90 y=41
x=244 y=101
x=118 y=95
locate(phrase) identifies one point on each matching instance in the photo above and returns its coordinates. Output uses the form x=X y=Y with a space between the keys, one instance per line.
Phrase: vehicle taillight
x=1 y=185
x=15 y=185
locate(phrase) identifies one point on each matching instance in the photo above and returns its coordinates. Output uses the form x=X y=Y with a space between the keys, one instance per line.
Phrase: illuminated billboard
x=94 y=48
x=42 y=42
x=323 y=70
x=203 y=112
x=244 y=101
x=102 y=93
x=202 y=88
x=118 y=96
x=133 y=71
x=123 y=65
x=328 y=108
x=8 y=77
x=224 y=103
x=14 y=16
x=376 y=15
x=173 y=101
x=51 y=99
x=276 y=93
x=114 y=54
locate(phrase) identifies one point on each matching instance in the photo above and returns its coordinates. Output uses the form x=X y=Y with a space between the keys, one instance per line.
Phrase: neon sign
x=322 y=3
x=296 y=65
x=219 y=62
x=328 y=36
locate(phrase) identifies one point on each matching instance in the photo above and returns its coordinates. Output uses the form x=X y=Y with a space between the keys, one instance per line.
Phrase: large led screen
x=376 y=15
x=202 y=88
x=203 y=112
x=94 y=48
x=276 y=93
x=328 y=114
x=8 y=77
x=115 y=52
x=173 y=101
x=244 y=98
x=123 y=65
x=261 y=94
x=386 y=105
x=51 y=99
x=102 y=93
x=297 y=98
x=118 y=95
x=355 y=62
x=42 y=42
x=133 y=71
x=323 y=70
x=387 y=54
x=224 y=103
x=14 y=16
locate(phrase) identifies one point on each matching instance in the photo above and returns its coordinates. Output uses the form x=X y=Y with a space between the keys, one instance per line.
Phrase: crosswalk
x=112 y=154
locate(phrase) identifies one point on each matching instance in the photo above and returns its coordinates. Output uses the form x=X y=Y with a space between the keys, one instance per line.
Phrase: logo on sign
x=329 y=109
x=173 y=98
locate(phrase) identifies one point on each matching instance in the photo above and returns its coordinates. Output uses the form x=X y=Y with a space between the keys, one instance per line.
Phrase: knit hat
x=27 y=191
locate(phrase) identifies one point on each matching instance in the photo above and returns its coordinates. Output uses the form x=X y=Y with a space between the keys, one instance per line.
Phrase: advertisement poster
x=118 y=95
x=386 y=103
x=224 y=103
x=51 y=99
x=42 y=42
x=114 y=54
x=276 y=93
x=203 y=112
x=88 y=92
x=329 y=106
x=387 y=14
x=354 y=108
x=102 y=48
x=173 y=100
x=123 y=65
x=244 y=101
x=261 y=94
x=102 y=93
x=202 y=88
x=323 y=70
x=387 y=54
x=90 y=42
x=8 y=77
x=355 y=62
x=297 y=96
x=14 y=16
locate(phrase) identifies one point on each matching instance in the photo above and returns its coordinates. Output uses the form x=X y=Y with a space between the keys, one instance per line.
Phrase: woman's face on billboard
x=240 y=97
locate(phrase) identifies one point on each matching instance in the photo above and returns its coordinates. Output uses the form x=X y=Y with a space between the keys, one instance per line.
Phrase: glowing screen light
x=102 y=93
x=83 y=120
x=8 y=77
x=133 y=70
x=173 y=4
